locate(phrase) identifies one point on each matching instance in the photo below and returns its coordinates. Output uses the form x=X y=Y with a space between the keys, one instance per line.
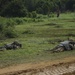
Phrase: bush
x=51 y=15
x=1 y=27
x=2 y=36
x=19 y=21
x=7 y=29
x=34 y=14
x=25 y=20
x=10 y=22
x=10 y=33
x=30 y=15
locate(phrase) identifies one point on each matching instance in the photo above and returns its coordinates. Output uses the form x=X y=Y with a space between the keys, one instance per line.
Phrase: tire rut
x=65 y=66
x=63 y=69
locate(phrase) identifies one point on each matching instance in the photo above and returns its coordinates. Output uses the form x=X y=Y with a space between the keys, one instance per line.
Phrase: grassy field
x=38 y=36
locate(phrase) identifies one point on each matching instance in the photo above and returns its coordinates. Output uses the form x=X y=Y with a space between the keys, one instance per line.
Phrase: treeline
x=29 y=8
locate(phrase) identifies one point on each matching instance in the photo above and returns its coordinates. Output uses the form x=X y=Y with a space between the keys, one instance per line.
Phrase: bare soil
x=64 y=66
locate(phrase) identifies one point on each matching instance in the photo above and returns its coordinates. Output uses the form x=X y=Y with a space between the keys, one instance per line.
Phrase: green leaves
x=21 y=8
x=14 y=8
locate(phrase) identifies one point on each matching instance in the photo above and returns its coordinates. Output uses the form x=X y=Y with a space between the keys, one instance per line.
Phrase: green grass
x=36 y=37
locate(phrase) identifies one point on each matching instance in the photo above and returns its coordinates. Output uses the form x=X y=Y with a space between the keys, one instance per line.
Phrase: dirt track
x=65 y=66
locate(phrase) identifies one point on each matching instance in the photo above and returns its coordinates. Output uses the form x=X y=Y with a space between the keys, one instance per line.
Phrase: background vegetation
x=23 y=8
x=13 y=12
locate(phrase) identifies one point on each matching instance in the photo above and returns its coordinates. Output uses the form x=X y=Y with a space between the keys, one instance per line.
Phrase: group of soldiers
x=14 y=45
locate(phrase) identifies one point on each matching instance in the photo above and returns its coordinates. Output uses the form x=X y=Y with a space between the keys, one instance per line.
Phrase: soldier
x=14 y=45
x=65 y=45
x=10 y=46
x=58 y=12
x=17 y=44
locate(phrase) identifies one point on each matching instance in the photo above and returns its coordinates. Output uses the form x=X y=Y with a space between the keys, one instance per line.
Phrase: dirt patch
x=56 y=67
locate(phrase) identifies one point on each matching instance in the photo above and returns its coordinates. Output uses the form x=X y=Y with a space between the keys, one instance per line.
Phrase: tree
x=43 y=7
x=20 y=8
x=14 y=9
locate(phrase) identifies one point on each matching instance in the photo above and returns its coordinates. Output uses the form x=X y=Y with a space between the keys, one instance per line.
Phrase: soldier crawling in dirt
x=64 y=46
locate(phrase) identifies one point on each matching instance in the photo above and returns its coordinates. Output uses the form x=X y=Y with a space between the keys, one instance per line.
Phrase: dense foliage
x=7 y=28
x=23 y=8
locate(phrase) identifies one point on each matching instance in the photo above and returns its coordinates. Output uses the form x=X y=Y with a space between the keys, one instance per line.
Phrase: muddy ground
x=64 y=66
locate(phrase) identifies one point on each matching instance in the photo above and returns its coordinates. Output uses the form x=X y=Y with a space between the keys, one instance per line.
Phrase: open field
x=37 y=37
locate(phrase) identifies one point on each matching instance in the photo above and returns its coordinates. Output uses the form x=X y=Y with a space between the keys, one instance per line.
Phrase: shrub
x=34 y=14
x=19 y=21
x=30 y=15
x=7 y=29
x=10 y=23
x=51 y=15
x=2 y=36
x=1 y=27
x=10 y=33
x=25 y=20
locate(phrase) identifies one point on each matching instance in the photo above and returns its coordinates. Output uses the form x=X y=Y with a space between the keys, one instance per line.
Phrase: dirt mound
x=65 y=66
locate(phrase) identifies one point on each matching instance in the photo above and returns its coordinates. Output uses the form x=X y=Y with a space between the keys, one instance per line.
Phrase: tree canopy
x=21 y=8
